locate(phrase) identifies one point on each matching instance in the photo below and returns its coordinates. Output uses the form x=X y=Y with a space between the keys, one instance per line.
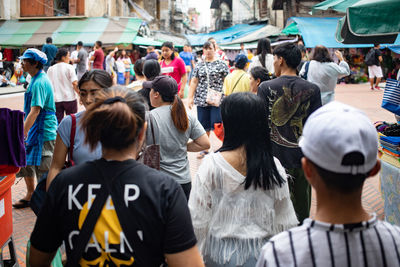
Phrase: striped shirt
x=315 y=243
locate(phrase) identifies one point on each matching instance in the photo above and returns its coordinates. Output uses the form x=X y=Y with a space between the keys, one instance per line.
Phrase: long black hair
x=170 y=45
x=263 y=48
x=151 y=69
x=245 y=123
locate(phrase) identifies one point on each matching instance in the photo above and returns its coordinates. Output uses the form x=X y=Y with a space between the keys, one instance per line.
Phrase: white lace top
x=227 y=218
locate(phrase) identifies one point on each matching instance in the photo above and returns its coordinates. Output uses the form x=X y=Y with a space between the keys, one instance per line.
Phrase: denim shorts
x=209 y=115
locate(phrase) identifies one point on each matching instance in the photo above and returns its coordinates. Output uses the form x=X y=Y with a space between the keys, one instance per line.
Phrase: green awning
x=139 y=40
x=375 y=21
x=18 y=33
x=337 y=5
x=291 y=29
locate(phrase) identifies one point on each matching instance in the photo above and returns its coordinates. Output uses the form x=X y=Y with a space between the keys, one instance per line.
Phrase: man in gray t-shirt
x=81 y=61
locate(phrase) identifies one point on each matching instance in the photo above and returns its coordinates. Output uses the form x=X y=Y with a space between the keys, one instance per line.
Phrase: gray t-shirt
x=173 y=143
x=82 y=65
x=81 y=152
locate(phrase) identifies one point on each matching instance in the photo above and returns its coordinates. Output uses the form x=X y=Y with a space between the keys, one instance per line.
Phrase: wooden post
x=72 y=7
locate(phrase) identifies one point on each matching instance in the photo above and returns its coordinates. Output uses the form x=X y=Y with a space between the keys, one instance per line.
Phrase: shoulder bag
x=391 y=96
x=150 y=154
x=39 y=194
x=213 y=96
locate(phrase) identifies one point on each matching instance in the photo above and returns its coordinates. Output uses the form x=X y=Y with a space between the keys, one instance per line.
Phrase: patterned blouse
x=217 y=71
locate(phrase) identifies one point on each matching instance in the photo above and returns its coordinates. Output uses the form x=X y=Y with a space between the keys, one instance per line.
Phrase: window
x=51 y=8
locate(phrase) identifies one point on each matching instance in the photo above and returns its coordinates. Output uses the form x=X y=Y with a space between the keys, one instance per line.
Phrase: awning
x=17 y=33
x=395 y=48
x=163 y=36
x=291 y=29
x=266 y=31
x=139 y=40
x=336 y=5
x=224 y=36
x=369 y=21
x=320 y=31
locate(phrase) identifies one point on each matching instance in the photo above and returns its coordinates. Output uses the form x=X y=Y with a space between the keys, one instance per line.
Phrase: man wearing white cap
x=340 y=147
x=40 y=123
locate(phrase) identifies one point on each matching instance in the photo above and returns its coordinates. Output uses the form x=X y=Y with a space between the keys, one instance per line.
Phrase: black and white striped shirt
x=369 y=243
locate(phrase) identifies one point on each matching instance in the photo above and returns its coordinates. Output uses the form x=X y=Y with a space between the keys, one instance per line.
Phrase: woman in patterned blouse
x=209 y=73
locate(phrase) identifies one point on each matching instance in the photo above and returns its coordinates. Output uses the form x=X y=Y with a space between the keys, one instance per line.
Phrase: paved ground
x=357 y=95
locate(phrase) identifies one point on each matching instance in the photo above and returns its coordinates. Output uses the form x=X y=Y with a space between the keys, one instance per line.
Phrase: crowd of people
x=249 y=202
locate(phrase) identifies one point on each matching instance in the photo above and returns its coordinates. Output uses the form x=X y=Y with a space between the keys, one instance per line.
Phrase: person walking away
x=50 y=50
x=173 y=128
x=64 y=83
x=341 y=233
x=81 y=60
x=139 y=76
x=151 y=54
x=151 y=69
x=290 y=100
x=324 y=72
x=373 y=60
x=188 y=58
x=90 y=86
x=238 y=80
x=240 y=195
x=243 y=51
x=209 y=73
x=98 y=56
x=40 y=123
x=173 y=66
x=257 y=76
x=142 y=219
x=264 y=57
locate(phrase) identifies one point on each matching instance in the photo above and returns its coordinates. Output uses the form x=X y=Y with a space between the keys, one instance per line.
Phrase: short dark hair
x=33 y=62
x=343 y=183
x=100 y=77
x=61 y=52
x=49 y=40
x=138 y=67
x=241 y=44
x=260 y=73
x=208 y=45
x=151 y=69
x=290 y=53
x=99 y=43
x=80 y=43
x=321 y=54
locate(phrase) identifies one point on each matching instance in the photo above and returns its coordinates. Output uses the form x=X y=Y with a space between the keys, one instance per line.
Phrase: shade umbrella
x=337 y=5
x=370 y=21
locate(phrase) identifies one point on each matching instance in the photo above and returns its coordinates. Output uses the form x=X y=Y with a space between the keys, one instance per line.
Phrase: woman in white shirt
x=264 y=57
x=324 y=72
x=240 y=196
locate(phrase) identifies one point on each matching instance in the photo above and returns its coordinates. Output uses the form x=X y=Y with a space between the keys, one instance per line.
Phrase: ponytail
x=179 y=115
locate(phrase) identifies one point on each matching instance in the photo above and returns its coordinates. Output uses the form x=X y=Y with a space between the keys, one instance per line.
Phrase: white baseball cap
x=334 y=131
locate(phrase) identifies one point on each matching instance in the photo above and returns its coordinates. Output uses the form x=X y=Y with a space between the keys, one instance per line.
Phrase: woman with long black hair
x=264 y=57
x=173 y=128
x=240 y=196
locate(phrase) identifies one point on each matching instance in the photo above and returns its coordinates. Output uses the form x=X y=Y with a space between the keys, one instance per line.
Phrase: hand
x=190 y=102
x=116 y=49
x=339 y=55
x=181 y=93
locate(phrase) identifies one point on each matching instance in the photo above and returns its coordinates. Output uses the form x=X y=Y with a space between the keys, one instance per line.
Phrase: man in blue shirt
x=188 y=58
x=50 y=50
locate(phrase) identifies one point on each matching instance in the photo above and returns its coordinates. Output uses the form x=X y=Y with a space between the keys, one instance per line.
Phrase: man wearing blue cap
x=238 y=80
x=40 y=123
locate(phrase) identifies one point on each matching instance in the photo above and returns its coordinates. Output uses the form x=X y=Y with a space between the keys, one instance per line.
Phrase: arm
x=183 y=85
x=38 y=258
x=57 y=163
x=380 y=58
x=199 y=144
x=75 y=86
x=30 y=119
x=192 y=89
x=190 y=257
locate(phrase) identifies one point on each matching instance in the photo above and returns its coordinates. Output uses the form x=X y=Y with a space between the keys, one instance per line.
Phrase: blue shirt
x=82 y=152
x=187 y=57
x=42 y=96
x=50 y=50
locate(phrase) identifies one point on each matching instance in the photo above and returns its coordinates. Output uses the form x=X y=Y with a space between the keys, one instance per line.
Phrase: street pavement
x=358 y=95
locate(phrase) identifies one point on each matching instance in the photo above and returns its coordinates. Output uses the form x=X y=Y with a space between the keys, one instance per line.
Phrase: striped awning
x=18 y=33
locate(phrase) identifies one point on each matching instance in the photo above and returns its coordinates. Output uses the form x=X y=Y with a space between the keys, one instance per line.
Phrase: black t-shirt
x=289 y=100
x=156 y=203
x=378 y=53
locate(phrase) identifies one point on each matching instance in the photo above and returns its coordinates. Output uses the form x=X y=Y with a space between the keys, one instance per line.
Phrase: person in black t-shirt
x=290 y=100
x=375 y=70
x=145 y=220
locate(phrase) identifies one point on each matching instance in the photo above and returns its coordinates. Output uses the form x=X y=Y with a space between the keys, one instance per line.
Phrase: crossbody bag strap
x=72 y=139
x=152 y=128
x=233 y=89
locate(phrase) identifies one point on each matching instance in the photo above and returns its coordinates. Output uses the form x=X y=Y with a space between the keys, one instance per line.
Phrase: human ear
x=308 y=169
x=375 y=169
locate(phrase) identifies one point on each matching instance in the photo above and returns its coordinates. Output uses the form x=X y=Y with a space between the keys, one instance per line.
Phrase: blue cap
x=241 y=61
x=34 y=54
